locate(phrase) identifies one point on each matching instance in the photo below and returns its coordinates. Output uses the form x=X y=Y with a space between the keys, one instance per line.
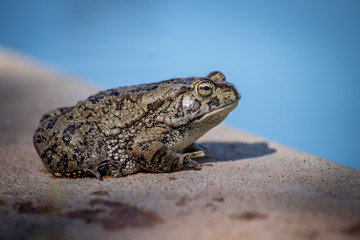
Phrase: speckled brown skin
x=123 y=130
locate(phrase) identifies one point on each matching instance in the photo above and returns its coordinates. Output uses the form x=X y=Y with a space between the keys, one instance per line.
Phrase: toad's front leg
x=154 y=156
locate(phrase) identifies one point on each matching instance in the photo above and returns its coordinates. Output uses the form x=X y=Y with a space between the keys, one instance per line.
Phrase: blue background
x=296 y=63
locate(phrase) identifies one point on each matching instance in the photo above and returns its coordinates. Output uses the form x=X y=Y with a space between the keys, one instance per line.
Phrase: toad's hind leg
x=117 y=169
x=64 y=150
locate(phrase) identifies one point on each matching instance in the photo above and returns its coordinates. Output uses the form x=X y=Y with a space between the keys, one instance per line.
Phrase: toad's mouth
x=223 y=111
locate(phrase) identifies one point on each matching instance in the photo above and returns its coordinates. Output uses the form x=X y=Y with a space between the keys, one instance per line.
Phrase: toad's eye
x=205 y=89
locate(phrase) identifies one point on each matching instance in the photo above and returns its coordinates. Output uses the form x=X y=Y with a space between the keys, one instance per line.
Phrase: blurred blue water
x=296 y=63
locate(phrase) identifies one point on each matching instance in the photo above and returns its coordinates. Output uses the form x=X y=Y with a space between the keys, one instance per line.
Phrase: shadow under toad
x=230 y=151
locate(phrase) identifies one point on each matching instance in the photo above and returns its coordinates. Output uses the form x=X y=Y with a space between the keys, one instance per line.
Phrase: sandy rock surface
x=249 y=188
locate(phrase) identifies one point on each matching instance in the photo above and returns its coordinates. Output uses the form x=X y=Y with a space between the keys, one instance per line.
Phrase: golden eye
x=205 y=89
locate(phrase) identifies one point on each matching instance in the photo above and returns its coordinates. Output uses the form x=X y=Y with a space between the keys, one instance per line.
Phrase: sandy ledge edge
x=248 y=188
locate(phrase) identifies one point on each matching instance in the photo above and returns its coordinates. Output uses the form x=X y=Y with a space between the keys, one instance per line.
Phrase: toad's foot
x=188 y=162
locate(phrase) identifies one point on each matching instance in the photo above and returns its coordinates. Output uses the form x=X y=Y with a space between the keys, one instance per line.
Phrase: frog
x=148 y=127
